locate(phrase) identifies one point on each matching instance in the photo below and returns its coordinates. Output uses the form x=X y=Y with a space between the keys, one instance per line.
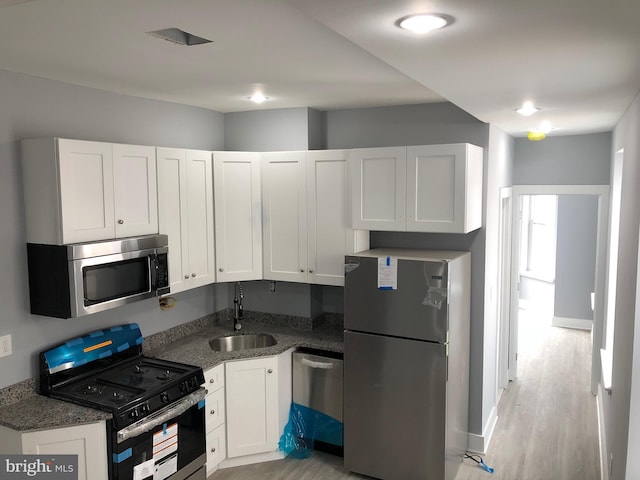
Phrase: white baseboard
x=249 y=459
x=566 y=322
x=480 y=443
x=602 y=435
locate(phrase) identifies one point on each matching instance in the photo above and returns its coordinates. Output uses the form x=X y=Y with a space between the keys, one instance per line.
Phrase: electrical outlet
x=5 y=346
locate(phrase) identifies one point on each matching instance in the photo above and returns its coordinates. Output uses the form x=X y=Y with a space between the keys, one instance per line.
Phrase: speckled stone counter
x=23 y=410
x=194 y=349
x=37 y=412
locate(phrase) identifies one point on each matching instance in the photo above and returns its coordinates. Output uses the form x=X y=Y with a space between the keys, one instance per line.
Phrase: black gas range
x=157 y=427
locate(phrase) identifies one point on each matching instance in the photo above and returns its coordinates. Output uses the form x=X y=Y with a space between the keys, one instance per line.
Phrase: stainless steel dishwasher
x=317 y=384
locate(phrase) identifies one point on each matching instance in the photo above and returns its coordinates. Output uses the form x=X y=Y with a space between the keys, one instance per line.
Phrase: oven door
x=169 y=444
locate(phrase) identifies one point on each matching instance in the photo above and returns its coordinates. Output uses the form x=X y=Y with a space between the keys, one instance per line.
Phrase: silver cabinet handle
x=186 y=277
x=120 y=222
x=221 y=269
x=212 y=412
x=310 y=271
x=313 y=364
x=212 y=380
x=302 y=270
x=213 y=450
x=270 y=371
x=193 y=274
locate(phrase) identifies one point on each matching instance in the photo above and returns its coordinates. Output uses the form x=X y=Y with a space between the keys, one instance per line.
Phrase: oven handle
x=161 y=416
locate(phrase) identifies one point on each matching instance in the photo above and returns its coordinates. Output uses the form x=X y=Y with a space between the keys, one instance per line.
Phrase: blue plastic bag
x=304 y=427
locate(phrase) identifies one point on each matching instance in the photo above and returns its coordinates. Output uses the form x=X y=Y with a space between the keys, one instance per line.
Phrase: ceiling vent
x=175 y=35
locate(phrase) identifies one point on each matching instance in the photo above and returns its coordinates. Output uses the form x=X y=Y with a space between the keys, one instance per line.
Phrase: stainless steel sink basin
x=232 y=343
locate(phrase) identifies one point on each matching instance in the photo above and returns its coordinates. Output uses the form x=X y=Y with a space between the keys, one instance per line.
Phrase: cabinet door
x=328 y=228
x=216 y=448
x=252 y=406
x=437 y=191
x=86 y=190
x=284 y=207
x=238 y=216
x=87 y=441
x=200 y=240
x=377 y=177
x=172 y=213
x=135 y=190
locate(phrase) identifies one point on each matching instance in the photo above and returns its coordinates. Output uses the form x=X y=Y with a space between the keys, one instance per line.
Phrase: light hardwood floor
x=547 y=422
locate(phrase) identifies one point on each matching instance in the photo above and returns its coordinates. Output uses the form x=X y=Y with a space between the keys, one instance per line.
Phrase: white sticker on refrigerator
x=144 y=470
x=165 y=441
x=387 y=273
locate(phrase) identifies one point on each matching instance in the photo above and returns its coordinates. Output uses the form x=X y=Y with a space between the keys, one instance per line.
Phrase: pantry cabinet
x=306 y=231
x=238 y=216
x=78 y=191
x=252 y=406
x=87 y=441
x=185 y=214
x=427 y=188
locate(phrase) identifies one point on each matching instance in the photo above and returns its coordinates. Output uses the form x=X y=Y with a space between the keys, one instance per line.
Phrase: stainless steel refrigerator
x=406 y=363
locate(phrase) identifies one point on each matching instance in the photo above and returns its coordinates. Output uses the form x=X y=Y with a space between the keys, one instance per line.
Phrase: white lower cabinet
x=252 y=406
x=88 y=442
x=215 y=415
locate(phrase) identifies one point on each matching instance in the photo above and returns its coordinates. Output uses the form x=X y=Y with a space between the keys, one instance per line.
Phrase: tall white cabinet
x=185 y=214
x=426 y=188
x=238 y=216
x=78 y=191
x=306 y=229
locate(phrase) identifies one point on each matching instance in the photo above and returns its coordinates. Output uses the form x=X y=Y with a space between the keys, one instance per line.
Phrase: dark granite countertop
x=36 y=412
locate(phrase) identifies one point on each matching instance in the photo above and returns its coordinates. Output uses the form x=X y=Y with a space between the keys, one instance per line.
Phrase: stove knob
x=134 y=414
x=164 y=397
x=184 y=387
x=145 y=408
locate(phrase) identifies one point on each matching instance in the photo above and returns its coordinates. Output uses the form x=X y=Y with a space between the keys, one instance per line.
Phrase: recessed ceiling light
x=258 y=98
x=424 y=23
x=527 y=109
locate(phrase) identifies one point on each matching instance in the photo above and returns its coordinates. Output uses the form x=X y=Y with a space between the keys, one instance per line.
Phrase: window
x=538 y=236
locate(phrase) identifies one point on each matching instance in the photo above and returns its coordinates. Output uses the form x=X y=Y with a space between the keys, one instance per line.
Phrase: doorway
x=510 y=301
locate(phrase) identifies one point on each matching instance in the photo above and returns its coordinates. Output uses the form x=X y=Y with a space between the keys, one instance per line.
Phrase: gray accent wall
x=563 y=160
x=34 y=107
x=575 y=256
x=267 y=130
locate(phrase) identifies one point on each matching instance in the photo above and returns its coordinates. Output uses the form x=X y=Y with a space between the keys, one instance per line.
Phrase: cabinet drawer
x=216 y=448
x=215 y=410
x=214 y=378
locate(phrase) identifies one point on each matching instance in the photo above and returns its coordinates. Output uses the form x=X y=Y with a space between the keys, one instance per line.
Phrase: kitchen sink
x=232 y=343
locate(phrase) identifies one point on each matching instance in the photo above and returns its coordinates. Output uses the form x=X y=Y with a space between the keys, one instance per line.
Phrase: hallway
x=547 y=418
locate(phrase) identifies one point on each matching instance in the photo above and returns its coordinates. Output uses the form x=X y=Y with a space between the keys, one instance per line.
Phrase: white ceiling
x=579 y=60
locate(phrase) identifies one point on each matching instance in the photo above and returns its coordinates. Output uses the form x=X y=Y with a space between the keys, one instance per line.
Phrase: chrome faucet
x=237 y=303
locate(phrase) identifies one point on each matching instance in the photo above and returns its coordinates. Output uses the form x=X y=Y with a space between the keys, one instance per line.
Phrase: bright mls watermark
x=49 y=467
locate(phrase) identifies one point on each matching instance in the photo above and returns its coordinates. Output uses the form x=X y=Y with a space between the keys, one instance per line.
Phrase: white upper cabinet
x=185 y=212
x=78 y=191
x=284 y=205
x=429 y=188
x=238 y=216
x=305 y=223
x=378 y=186
x=135 y=196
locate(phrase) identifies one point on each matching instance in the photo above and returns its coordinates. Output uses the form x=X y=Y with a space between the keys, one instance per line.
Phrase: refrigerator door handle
x=312 y=364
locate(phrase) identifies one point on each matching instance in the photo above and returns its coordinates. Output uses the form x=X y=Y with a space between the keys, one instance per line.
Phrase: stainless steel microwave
x=74 y=280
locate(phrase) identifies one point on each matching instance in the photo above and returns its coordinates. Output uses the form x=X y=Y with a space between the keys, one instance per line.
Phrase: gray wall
x=563 y=160
x=622 y=408
x=267 y=130
x=33 y=107
x=576 y=256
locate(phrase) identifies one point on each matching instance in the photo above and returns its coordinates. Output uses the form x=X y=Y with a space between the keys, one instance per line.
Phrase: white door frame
x=504 y=290
x=602 y=192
